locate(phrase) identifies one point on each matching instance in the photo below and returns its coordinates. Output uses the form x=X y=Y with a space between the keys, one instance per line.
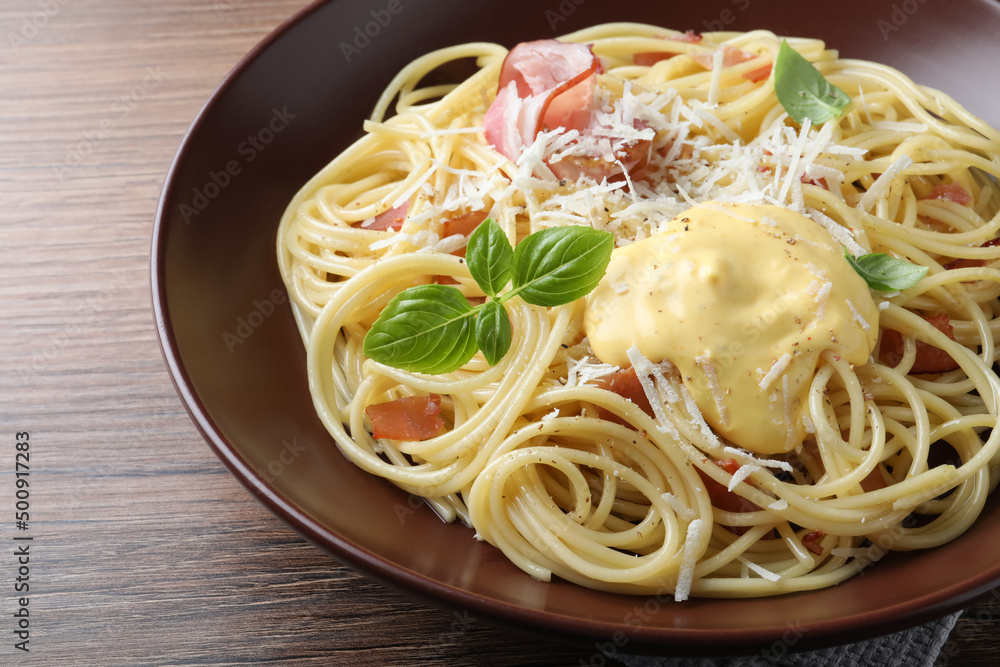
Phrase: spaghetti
x=615 y=470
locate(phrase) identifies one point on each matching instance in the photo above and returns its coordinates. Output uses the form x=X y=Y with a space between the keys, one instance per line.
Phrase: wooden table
x=145 y=550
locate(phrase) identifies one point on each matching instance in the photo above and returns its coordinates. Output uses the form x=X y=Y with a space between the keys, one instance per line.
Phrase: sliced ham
x=392 y=219
x=543 y=84
x=967 y=263
x=929 y=359
x=626 y=384
x=501 y=124
x=409 y=418
x=952 y=192
x=726 y=500
x=874 y=481
x=546 y=85
x=649 y=58
x=721 y=496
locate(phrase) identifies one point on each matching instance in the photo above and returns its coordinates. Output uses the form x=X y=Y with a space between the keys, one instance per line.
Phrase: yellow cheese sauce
x=742 y=299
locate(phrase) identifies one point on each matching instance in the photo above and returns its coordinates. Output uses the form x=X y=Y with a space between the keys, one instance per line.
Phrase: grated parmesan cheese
x=643 y=369
x=682 y=510
x=794 y=176
x=583 y=371
x=808 y=425
x=764 y=463
x=665 y=388
x=757 y=569
x=862 y=322
x=685 y=577
x=713 y=88
x=696 y=417
x=882 y=184
x=777 y=368
x=705 y=362
x=822 y=299
x=741 y=474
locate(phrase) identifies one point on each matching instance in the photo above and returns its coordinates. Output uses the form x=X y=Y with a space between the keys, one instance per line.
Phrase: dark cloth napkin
x=916 y=647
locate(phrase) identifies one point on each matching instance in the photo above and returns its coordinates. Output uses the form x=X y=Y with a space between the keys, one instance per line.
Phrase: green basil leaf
x=490 y=257
x=886 y=273
x=803 y=91
x=560 y=264
x=493 y=331
x=426 y=329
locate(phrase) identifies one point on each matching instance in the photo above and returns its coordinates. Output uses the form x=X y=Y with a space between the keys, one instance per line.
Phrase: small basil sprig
x=886 y=273
x=803 y=91
x=434 y=329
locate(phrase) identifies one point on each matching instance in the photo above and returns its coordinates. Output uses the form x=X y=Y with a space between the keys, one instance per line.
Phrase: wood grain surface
x=144 y=549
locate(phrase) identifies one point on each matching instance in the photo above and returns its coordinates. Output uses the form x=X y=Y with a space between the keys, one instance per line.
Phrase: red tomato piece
x=632 y=157
x=409 y=418
x=809 y=541
x=730 y=57
x=463 y=224
x=759 y=74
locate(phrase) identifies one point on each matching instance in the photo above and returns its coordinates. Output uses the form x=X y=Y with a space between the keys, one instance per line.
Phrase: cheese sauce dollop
x=743 y=300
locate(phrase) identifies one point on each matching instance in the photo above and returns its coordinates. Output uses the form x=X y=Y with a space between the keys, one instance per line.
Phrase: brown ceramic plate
x=230 y=342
